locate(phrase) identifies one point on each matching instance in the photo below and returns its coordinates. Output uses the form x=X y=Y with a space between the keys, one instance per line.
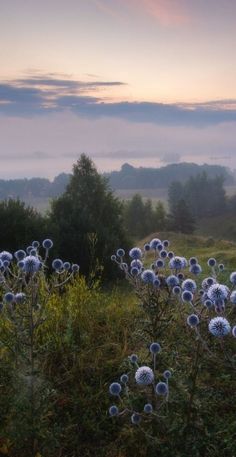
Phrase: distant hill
x=130 y=177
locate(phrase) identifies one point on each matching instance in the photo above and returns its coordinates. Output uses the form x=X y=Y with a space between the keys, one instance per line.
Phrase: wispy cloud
x=40 y=95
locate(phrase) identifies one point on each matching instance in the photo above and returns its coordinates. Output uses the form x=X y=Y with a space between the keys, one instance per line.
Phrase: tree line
x=87 y=222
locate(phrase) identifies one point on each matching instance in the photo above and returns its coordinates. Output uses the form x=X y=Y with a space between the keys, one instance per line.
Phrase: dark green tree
x=20 y=225
x=86 y=219
x=181 y=218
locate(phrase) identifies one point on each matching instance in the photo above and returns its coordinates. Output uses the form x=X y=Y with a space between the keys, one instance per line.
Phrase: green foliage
x=181 y=219
x=87 y=217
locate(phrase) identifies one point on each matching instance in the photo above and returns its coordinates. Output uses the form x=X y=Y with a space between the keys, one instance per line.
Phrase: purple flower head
x=221 y=267
x=217 y=293
x=166 y=243
x=115 y=389
x=57 y=264
x=35 y=244
x=162 y=388
x=160 y=263
x=163 y=254
x=148 y=409
x=124 y=378
x=172 y=281
x=207 y=282
x=5 y=255
x=233 y=297
x=135 y=418
x=148 y=276
x=155 y=348
x=75 y=268
x=66 y=266
x=113 y=410
x=176 y=290
x=193 y=261
x=189 y=284
x=211 y=262
x=20 y=297
x=170 y=255
x=187 y=296
x=133 y=358
x=147 y=247
x=134 y=271
x=195 y=269
x=154 y=243
x=47 y=243
x=177 y=263
x=167 y=374
x=9 y=297
x=120 y=252
x=20 y=254
x=135 y=253
x=31 y=264
x=233 y=278
x=193 y=320
x=144 y=376
x=219 y=326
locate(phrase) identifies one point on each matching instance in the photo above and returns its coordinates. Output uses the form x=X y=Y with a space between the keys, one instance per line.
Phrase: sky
x=148 y=82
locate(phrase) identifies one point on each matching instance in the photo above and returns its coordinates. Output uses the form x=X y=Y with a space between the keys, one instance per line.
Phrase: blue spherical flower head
x=233 y=297
x=195 y=269
x=193 y=320
x=33 y=252
x=134 y=271
x=57 y=264
x=234 y=331
x=5 y=255
x=172 y=281
x=148 y=276
x=154 y=243
x=5 y=263
x=207 y=282
x=135 y=253
x=159 y=247
x=163 y=254
x=75 y=268
x=113 y=410
x=29 y=249
x=189 y=284
x=20 y=254
x=148 y=409
x=211 y=262
x=113 y=257
x=233 y=278
x=160 y=263
x=135 y=418
x=221 y=267
x=193 y=261
x=31 y=264
x=176 y=290
x=21 y=264
x=147 y=247
x=35 y=244
x=176 y=263
x=167 y=374
x=162 y=388
x=219 y=326
x=20 y=297
x=144 y=376
x=120 y=252
x=170 y=255
x=218 y=293
x=47 y=243
x=124 y=378
x=136 y=263
x=166 y=243
x=180 y=276
x=133 y=358
x=115 y=389
x=66 y=266
x=155 y=348
x=208 y=303
x=9 y=297
x=156 y=282
x=187 y=296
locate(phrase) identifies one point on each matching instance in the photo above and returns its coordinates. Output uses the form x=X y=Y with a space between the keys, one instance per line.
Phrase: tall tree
x=181 y=218
x=87 y=219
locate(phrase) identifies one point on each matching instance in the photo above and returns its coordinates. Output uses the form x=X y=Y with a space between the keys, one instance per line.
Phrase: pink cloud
x=167 y=12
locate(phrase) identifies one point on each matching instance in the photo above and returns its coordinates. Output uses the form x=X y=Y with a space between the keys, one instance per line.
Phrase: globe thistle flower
x=172 y=281
x=159 y=247
x=47 y=243
x=31 y=264
x=66 y=266
x=189 y=284
x=29 y=249
x=154 y=243
x=115 y=389
x=155 y=348
x=233 y=297
x=193 y=320
x=233 y=278
x=135 y=253
x=176 y=263
x=176 y=290
x=21 y=264
x=163 y=254
x=113 y=410
x=167 y=374
x=208 y=303
x=135 y=418
x=156 y=282
x=144 y=376
x=75 y=268
x=234 y=331
x=193 y=261
x=20 y=297
x=5 y=263
x=162 y=388
x=20 y=254
x=113 y=257
x=219 y=326
x=221 y=267
x=217 y=293
x=148 y=409
x=124 y=378
x=57 y=264
x=187 y=296
x=207 y=282
x=120 y=252
x=134 y=271
x=5 y=255
x=136 y=263
x=180 y=276
x=35 y=244
x=160 y=263
x=148 y=276
x=195 y=269
x=166 y=243
x=170 y=255
x=133 y=358
x=9 y=297
x=211 y=262
x=147 y=247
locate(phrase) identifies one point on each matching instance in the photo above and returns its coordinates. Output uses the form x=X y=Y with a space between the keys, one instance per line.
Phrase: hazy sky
x=144 y=81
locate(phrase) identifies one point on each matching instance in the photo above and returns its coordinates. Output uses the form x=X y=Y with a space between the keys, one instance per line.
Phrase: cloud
x=41 y=95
